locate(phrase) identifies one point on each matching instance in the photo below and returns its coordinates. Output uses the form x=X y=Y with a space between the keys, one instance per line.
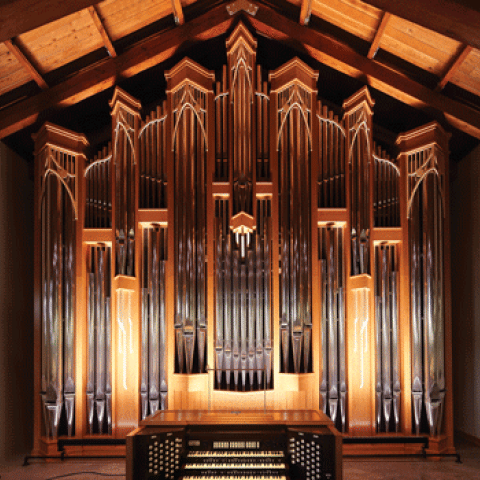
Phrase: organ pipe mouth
x=243 y=226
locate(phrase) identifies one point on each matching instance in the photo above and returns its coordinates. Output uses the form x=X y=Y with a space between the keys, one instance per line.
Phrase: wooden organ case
x=242 y=247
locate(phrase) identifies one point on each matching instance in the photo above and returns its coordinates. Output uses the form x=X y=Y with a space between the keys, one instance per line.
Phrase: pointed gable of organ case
x=242 y=244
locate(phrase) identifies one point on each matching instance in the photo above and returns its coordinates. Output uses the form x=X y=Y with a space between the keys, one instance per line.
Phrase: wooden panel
x=12 y=73
x=122 y=17
x=468 y=74
x=351 y=15
x=27 y=65
x=448 y=17
x=20 y=16
x=418 y=45
x=62 y=41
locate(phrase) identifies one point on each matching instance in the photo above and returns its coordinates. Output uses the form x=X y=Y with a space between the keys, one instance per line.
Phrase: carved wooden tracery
x=242 y=244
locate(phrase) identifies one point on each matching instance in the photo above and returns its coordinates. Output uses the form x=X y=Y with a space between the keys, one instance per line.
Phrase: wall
x=16 y=306
x=465 y=222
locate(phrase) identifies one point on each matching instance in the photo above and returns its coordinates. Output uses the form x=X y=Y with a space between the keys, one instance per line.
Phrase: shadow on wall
x=16 y=306
x=465 y=247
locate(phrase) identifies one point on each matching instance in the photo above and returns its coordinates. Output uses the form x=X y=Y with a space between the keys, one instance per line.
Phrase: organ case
x=246 y=245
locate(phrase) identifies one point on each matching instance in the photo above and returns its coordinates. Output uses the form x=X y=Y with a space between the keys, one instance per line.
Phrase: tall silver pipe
x=267 y=294
x=154 y=326
x=333 y=386
x=324 y=330
x=219 y=297
x=144 y=328
x=261 y=301
x=333 y=326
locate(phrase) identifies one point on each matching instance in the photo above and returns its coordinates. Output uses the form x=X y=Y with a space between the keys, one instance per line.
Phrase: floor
x=354 y=469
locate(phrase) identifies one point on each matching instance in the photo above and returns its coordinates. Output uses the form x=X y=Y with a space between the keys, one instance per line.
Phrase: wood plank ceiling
x=47 y=59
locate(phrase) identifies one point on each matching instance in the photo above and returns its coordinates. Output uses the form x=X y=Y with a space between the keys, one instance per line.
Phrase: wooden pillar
x=126 y=305
x=360 y=348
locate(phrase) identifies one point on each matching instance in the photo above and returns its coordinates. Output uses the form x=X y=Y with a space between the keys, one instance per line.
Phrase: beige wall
x=465 y=212
x=16 y=306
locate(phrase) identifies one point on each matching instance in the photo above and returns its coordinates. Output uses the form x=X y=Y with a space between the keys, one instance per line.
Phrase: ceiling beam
x=455 y=65
x=102 y=31
x=378 y=35
x=109 y=71
x=305 y=12
x=20 y=16
x=447 y=17
x=268 y=22
x=343 y=58
x=178 y=12
x=34 y=73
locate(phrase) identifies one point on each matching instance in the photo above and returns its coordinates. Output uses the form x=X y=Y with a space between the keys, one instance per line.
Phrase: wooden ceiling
x=56 y=53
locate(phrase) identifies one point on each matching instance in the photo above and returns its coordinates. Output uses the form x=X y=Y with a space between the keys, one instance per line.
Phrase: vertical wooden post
x=360 y=309
x=125 y=289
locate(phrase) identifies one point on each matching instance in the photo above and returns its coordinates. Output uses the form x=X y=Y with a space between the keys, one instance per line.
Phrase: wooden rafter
x=305 y=12
x=103 y=32
x=378 y=35
x=20 y=16
x=448 y=17
x=455 y=65
x=26 y=63
x=178 y=12
x=106 y=73
x=268 y=22
x=343 y=58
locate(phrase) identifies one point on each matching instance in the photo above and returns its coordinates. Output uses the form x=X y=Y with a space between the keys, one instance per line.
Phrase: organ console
x=242 y=243
x=234 y=445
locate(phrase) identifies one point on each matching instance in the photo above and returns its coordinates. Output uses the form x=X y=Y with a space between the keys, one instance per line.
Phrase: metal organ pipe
x=124 y=111
x=387 y=383
x=423 y=151
x=99 y=384
x=294 y=149
x=261 y=228
x=189 y=147
x=331 y=175
x=333 y=386
x=58 y=214
x=98 y=194
x=386 y=192
x=358 y=119
x=245 y=291
x=153 y=144
x=153 y=378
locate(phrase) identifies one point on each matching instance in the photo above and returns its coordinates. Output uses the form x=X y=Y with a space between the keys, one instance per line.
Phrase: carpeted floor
x=354 y=469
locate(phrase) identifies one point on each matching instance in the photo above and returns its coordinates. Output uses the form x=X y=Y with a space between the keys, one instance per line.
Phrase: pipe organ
x=242 y=245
